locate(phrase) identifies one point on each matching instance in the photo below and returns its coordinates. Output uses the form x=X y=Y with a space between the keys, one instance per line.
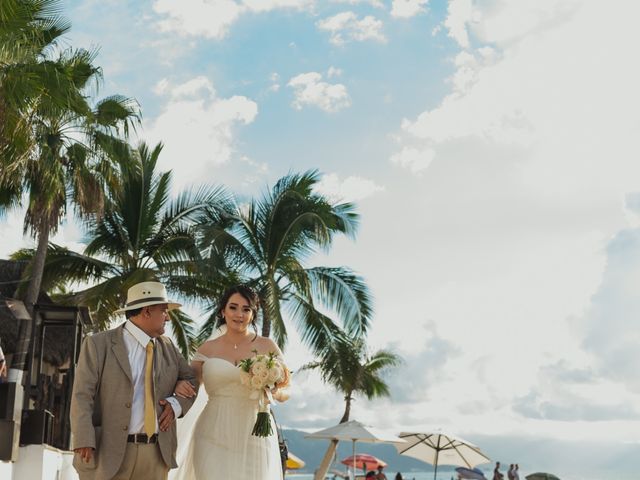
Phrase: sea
x=447 y=475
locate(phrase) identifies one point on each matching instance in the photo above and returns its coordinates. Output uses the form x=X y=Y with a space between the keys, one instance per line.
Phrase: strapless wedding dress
x=221 y=445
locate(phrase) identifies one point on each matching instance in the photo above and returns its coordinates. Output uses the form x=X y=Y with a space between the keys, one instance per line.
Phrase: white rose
x=259 y=368
x=257 y=383
x=245 y=378
x=275 y=374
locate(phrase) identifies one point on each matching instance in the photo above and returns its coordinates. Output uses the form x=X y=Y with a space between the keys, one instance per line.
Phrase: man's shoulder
x=165 y=341
x=106 y=335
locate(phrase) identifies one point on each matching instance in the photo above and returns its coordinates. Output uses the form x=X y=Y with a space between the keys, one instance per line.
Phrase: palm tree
x=347 y=367
x=70 y=162
x=267 y=246
x=142 y=235
x=28 y=30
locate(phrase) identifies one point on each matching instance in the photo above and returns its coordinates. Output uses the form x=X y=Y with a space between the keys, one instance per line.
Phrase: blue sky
x=491 y=147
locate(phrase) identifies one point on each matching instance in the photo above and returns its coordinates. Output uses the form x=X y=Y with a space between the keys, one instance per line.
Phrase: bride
x=221 y=445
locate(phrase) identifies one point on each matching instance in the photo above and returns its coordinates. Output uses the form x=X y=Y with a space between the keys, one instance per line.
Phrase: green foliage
x=142 y=235
x=346 y=365
x=266 y=245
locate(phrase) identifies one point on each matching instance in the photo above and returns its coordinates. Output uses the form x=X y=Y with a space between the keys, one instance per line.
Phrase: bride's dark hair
x=248 y=293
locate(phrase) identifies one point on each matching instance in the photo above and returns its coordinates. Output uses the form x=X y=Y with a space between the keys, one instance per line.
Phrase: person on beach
x=222 y=445
x=516 y=475
x=496 y=472
x=122 y=408
x=380 y=475
x=510 y=472
x=398 y=476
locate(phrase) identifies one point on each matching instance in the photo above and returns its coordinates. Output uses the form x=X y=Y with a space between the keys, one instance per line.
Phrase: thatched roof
x=59 y=341
x=10 y=276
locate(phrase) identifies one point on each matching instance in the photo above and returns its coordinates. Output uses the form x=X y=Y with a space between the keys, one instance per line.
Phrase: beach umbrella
x=355 y=431
x=541 y=476
x=471 y=473
x=438 y=448
x=364 y=460
x=293 y=462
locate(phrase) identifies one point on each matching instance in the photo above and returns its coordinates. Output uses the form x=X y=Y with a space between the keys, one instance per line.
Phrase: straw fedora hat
x=145 y=294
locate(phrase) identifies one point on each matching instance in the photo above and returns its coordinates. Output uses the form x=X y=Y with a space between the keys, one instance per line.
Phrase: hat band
x=148 y=299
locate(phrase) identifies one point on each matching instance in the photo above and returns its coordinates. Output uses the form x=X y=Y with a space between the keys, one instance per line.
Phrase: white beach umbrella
x=438 y=448
x=355 y=432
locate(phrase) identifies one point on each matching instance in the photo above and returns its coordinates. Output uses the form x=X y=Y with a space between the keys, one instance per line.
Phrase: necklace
x=235 y=344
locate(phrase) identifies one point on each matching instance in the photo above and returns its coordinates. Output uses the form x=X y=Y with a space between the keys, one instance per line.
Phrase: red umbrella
x=366 y=461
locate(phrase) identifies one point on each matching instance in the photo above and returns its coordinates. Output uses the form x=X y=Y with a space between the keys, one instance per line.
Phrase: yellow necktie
x=149 y=410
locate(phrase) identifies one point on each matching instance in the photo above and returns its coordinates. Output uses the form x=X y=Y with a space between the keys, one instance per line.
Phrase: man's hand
x=86 y=453
x=167 y=416
x=3 y=370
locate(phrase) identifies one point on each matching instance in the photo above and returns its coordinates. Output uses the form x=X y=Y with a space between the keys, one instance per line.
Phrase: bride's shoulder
x=209 y=347
x=265 y=344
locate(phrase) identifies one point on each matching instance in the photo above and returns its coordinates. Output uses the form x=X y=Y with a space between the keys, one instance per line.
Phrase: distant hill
x=569 y=460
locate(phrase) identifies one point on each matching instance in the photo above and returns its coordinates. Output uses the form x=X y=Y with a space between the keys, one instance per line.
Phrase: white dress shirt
x=136 y=342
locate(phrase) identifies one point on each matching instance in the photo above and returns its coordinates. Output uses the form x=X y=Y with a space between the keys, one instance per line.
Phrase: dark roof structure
x=59 y=342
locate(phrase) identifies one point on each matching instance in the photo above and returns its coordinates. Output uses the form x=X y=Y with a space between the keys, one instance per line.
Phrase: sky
x=492 y=149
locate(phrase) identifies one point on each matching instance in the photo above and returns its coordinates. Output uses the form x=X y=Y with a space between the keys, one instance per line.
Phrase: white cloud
x=310 y=90
x=373 y=3
x=209 y=19
x=416 y=160
x=198 y=86
x=213 y=18
x=459 y=13
x=408 y=8
x=274 y=78
x=517 y=19
x=529 y=158
x=197 y=128
x=350 y=189
x=333 y=72
x=268 y=5
x=610 y=329
x=346 y=26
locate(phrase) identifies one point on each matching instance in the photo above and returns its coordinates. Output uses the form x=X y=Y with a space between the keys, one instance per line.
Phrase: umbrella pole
x=435 y=470
x=353 y=451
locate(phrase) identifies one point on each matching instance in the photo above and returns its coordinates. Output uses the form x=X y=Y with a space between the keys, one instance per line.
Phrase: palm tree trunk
x=347 y=409
x=266 y=323
x=19 y=362
x=322 y=470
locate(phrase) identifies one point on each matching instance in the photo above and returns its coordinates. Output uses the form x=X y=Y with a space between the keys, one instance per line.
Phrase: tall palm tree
x=142 y=235
x=347 y=367
x=267 y=245
x=70 y=161
x=28 y=30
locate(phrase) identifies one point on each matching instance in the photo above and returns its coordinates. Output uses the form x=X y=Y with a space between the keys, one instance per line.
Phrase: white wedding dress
x=220 y=444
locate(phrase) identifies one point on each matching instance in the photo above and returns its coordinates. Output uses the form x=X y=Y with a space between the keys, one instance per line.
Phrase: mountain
x=569 y=460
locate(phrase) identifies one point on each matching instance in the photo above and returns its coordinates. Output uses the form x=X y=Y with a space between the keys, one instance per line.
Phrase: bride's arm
x=281 y=392
x=184 y=388
x=197 y=368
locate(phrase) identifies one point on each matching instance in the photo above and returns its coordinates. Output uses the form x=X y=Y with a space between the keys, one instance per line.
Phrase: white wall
x=40 y=462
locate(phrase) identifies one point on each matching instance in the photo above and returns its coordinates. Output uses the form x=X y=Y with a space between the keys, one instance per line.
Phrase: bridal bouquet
x=261 y=373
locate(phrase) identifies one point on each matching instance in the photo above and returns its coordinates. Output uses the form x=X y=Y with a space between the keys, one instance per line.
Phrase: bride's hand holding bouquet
x=265 y=375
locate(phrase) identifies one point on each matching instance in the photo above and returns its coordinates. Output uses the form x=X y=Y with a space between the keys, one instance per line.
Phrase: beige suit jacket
x=102 y=396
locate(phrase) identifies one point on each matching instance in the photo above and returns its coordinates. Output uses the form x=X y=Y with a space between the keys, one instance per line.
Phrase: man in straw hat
x=122 y=409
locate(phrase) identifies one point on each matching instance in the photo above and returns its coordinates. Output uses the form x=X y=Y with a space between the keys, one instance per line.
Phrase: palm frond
x=183 y=328
x=342 y=291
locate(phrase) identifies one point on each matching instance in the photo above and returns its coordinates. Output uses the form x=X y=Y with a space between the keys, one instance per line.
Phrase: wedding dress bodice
x=221 y=378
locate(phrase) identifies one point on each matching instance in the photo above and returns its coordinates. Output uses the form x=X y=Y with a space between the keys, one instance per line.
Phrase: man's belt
x=142 y=438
